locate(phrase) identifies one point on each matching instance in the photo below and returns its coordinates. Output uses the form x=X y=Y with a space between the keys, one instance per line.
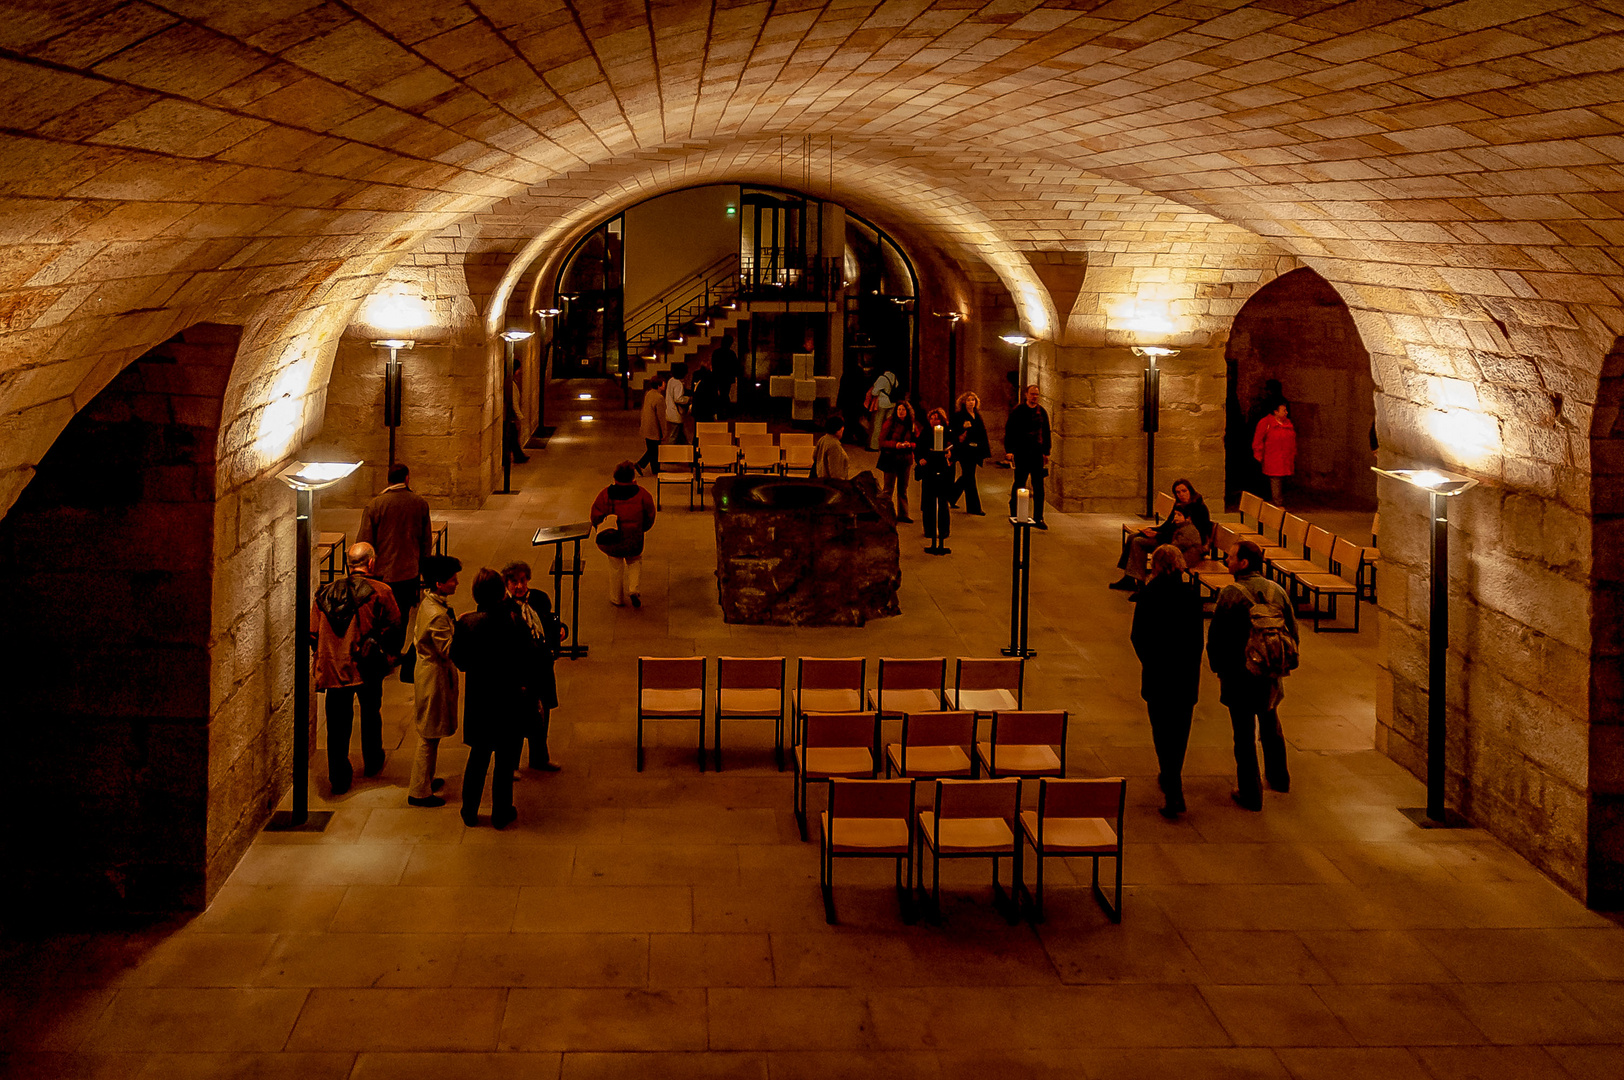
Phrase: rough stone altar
x=801 y=552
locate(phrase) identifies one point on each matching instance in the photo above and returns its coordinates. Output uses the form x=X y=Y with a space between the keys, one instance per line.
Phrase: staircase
x=687 y=318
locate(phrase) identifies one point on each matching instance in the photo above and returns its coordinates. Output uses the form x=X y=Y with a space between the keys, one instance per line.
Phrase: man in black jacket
x=1026 y=448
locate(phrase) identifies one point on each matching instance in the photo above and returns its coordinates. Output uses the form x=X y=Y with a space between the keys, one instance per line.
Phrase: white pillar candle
x=1023 y=504
x=939 y=436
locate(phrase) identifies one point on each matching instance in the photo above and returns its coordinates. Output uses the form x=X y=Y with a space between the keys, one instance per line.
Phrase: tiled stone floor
x=669 y=923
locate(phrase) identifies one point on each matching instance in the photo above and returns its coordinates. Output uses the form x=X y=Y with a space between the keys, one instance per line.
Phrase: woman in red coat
x=1274 y=444
x=633 y=510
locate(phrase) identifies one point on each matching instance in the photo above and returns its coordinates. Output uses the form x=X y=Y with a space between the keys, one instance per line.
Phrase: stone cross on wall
x=803 y=388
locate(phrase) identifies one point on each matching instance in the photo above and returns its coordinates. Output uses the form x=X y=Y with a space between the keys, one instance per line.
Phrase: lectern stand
x=1019 y=578
x=559 y=535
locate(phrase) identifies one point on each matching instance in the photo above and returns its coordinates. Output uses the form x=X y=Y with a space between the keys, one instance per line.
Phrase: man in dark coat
x=725 y=371
x=1167 y=639
x=355 y=620
x=396 y=523
x=540 y=685
x=491 y=647
x=1026 y=447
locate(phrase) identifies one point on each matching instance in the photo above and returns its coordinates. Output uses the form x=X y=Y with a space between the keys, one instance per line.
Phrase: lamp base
x=1018 y=652
x=1418 y=814
x=315 y=821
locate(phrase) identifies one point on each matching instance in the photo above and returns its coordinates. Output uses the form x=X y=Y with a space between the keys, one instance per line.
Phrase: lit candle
x=939 y=436
x=1023 y=504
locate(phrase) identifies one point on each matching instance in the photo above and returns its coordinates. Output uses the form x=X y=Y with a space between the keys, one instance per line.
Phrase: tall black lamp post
x=305 y=478
x=543 y=364
x=1020 y=341
x=510 y=338
x=1153 y=415
x=1440 y=488
x=392 y=388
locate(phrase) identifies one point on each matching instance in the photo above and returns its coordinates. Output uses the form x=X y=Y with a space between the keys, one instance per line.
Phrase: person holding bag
x=896 y=456
x=970 y=449
x=626 y=512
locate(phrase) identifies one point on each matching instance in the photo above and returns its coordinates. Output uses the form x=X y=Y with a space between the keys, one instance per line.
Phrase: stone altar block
x=805 y=552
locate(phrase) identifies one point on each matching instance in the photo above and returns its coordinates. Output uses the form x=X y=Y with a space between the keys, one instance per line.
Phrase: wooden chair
x=798 y=460
x=909 y=686
x=743 y=427
x=1367 y=565
x=1269 y=521
x=714 y=429
x=1077 y=819
x=973 y=819
x=716 y=460
x=787 y=439
x=934 y=745
x=1293 y=543
x=986 y=686
x=676 y=469
x=833 y=745
x=827 y=684
x=754 y=438
x=1025 y=744
x=760 y=458
x=1332 y=583
x=868 y=819
x=671 y=688
x=440 y=536
x=749 y=688
x=1162 y=506
x=1250 y=506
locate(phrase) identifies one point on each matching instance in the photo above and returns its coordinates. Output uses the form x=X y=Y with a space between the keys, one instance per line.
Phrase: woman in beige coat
x=435 y=679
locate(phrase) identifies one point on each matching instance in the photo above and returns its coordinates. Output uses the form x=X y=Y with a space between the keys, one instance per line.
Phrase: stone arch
x=107 y=574
x=1606 y=812
x=1298 y=329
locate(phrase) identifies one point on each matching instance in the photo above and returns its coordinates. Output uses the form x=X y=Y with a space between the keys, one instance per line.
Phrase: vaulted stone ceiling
x=1452 y=168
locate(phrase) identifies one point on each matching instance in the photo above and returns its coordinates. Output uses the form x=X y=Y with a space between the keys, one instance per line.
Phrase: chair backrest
x=1269 y=520
x=718 y=455
x=711 y=427
x=1164 y=505
x=850 y=798
x=1101 y=797
x=1250 y=505
x=795 y=438
x=753 y=438
x=749 y=673
x=670 y=672
x=676 y=455
x=1223 y=538
x=1320 y=542
x=749 y=428
x=938 y=729
x=1293 y=534
x=927 y=673
x=1029 y=728
x=1346 y=556
x=997 y=673
x=832 y=673
x=840 y=729
x=978 y=799
x=798 y=456
x=760 y=457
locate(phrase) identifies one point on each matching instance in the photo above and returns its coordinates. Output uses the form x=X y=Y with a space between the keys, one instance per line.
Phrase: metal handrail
x=678 y=305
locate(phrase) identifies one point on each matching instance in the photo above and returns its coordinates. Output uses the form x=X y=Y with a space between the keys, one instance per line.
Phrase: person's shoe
x=904 y=521
x=1133 y=597
x=372 y=770
x=437 y=783
x=1044 y=525
x=504 y=819
x=1124 y=583
x=470 y=820
x=618 y=603
x=429 y=800
x=637 y=601
x=1169 y=813
x=1241 y=802
x=1283 y=789
x=520 y=458
x=341 y=789
x=944 y=551
x=547 y=766
x=976 y=513
x=953 y=506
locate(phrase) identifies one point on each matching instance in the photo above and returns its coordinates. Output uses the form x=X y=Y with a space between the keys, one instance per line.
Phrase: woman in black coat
x=1167 y=637
x=970 y=449
x=935 y=481
x=493 y=648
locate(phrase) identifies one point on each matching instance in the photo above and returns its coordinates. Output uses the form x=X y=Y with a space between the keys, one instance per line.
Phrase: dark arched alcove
x=1606 y=870
x=1297 y=329
x=106 y=578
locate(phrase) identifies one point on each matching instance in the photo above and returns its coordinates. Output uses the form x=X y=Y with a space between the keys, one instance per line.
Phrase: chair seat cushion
x=1298 y=566
x=966 y=835
x=673 y=702
x=1071 y=836
x=984 y=701
x=1021 y=760
x=1329 y=583
x=873 y=836
x=836 y=761
x=930 y=760
x=910 y=701
x=830 y=701
x=768 y=703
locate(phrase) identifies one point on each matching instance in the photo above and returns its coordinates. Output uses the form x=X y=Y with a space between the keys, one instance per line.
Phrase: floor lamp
x=1153 y=415
x=546 y=315
x=391 y=387
x=509 y=339
x=1020 y=341
x=305 y=478
x=1440 y=488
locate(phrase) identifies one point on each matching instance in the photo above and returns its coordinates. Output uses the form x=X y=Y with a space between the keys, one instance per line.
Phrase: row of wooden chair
x=755 y=688
x=696 y=468
x=974 y=819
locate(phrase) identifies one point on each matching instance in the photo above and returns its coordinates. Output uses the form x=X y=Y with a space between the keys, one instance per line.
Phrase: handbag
x=608 y=534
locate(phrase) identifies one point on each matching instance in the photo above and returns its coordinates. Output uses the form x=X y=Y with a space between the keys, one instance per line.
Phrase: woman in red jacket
x=633 y=510
x=1274 y=444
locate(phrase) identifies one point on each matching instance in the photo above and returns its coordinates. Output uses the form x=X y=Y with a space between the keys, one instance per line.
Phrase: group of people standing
x=392 y=611
x=675 y=400
x=1251 y=646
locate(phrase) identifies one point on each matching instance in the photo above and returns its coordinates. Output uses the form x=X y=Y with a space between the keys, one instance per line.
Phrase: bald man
x=355 y=620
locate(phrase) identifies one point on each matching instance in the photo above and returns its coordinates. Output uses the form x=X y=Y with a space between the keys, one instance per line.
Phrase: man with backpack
x=1252 y=647
x=355 y=619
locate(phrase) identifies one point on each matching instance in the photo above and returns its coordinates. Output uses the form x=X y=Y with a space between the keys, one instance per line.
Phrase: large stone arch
x=1606 y=699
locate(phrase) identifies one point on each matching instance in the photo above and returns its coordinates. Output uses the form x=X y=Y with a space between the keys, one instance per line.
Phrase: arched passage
x=1606 y=870
x=1297 y=330
x=107 y=566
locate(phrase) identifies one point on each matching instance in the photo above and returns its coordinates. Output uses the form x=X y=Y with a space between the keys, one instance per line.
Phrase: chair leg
x=1112 y=912
x=701 y=742
x=639 y=742
x=1037 y=895
x=716 y=751
x=778 y=746
x=800 y=802
x=936 y=884
x=826 y=875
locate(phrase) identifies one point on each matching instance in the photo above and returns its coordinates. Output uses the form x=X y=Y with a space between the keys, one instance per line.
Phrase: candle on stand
x=1023 y=504
x=938 y=445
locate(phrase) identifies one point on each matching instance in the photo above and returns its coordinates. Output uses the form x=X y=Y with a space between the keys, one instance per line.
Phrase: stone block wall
x=107 y=575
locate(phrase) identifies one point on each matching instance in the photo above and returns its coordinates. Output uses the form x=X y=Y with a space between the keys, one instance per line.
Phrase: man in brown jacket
x=355 y=618
x=397 y=525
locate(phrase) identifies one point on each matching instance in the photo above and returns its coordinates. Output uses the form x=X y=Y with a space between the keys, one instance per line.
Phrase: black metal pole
x=1438 y=662
x=1152 y=421
x=1014 y=593
x=301 y=670
x=1026 y=581
x=952 y=362
x=507 y=411
x=391 y=398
